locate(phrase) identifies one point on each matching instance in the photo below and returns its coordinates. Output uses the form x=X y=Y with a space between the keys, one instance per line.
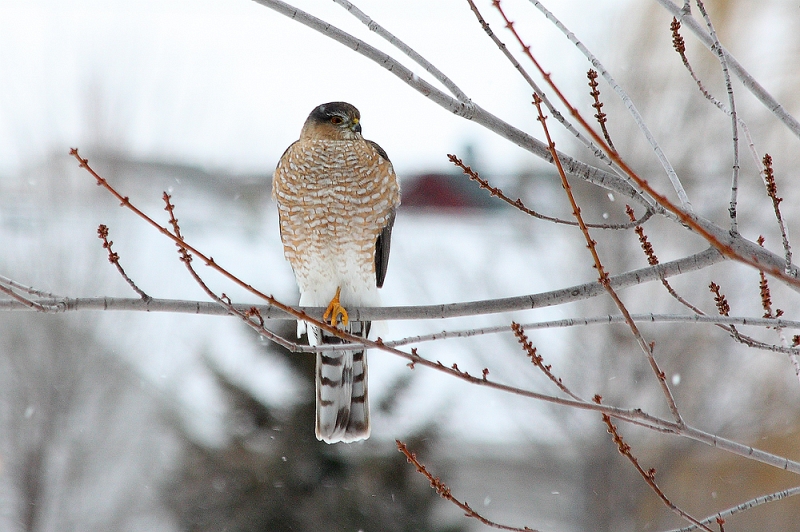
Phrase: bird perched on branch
x=337 y=194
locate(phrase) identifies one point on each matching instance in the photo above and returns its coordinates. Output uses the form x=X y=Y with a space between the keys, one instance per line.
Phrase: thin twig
x=723 y=307
x=652 y=260
x=23 y=300
x=517 y=204
x=766 y=304
x=649 y=476
x=444 y=492
x=538 y=361
x=605 y=320
x=679 y=45
x=598 y=106
x=772 y=192
x=113 y=258
x=11 y=283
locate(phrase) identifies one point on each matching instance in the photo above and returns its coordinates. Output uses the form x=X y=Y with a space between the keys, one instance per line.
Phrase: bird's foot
x=335 y=311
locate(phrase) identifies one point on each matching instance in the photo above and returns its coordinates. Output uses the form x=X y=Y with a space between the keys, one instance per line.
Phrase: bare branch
x=601 y=117
x=680 y=47
x=581 y=292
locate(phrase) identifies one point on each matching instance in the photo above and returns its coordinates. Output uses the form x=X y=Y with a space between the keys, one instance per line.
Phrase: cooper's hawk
x=337 y=194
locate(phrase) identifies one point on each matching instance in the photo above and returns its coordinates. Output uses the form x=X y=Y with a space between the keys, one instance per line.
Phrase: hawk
x=337 y=194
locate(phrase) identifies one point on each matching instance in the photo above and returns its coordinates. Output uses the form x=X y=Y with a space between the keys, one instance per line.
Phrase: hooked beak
x=355 y=126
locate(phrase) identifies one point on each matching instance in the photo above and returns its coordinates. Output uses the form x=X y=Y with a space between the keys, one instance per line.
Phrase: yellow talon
x=335 y=310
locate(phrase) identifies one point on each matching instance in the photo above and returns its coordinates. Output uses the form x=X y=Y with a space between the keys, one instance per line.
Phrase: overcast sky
x=228 y=83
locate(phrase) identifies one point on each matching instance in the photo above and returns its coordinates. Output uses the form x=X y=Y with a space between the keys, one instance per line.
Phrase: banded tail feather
x=342 y=403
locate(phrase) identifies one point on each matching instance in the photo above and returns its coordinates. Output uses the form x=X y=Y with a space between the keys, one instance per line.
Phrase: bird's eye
x=336 y=120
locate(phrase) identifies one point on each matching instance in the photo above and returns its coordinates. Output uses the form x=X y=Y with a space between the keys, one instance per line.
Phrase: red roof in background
x=443 y=190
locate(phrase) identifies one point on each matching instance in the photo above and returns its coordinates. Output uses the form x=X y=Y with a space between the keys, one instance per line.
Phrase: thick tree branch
x=694 y=262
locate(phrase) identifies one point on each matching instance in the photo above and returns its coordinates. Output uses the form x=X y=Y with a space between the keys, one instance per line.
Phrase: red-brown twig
x=686 y=217
x=649 y=476
x=652 y=260
x=598 y=106
x=537 y=359
x=113 y=258
x=724 y=309
x=603 y=275
x=766 y=304
x=444 y=492
x=680 y=46
x=766 y=296
x=517 y=204
x=772 y=192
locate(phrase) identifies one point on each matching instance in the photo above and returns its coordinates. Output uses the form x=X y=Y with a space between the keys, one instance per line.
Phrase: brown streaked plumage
x=337 y=194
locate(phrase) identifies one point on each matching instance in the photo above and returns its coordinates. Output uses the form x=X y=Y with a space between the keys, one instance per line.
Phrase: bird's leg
x=335 y=310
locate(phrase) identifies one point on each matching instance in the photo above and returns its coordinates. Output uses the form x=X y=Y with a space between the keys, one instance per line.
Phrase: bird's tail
x=342 y=405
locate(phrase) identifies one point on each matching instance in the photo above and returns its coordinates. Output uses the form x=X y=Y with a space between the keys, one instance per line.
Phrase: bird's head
x=334 y=120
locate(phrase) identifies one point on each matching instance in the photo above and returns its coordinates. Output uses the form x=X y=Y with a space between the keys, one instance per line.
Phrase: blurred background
x=134 y=421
